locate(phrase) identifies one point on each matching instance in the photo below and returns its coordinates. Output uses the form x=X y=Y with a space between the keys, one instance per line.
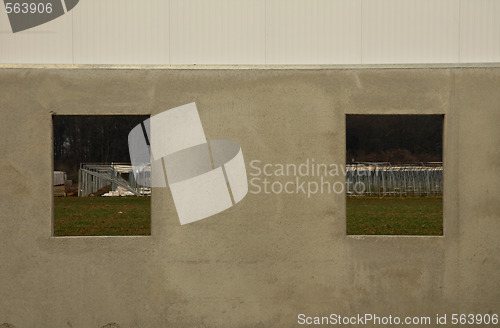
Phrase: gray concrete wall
x=270 y=257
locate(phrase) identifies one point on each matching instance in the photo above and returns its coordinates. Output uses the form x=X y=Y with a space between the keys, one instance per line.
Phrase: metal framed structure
x=386 y=179
x=93 y=177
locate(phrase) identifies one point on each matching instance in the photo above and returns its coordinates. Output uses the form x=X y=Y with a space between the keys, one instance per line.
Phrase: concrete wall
x=270 y=257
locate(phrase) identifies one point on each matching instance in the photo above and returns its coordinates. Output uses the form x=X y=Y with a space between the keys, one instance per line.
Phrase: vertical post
x=113 y=177
x=79 y=181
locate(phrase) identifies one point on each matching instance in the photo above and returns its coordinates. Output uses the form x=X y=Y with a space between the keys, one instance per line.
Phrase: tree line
x=91 y=139
x=394 y=138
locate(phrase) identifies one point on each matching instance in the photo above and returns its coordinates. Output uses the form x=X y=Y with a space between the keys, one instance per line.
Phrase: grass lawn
x=395 y=216
x=131 y=216
x=102 y=216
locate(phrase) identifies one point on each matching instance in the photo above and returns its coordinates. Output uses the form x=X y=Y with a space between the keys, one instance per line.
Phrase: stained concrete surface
x=270 y=257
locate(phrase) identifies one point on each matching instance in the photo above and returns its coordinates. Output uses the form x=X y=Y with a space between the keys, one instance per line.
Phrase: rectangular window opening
x=394 y=181
x=95 y=190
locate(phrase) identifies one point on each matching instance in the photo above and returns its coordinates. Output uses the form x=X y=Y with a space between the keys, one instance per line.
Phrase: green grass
x=395 y=216
x=131 y=216
x=102 y=216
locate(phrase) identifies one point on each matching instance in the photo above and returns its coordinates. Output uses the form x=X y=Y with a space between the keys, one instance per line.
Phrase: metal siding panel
x=479 y=31
x=410 y=31
x=49 y=43
x=313 y=32
x=218 y=32
x=261 y=32
x=121 y=32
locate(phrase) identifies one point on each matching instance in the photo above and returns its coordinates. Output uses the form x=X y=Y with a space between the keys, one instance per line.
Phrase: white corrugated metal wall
x=261 y=32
